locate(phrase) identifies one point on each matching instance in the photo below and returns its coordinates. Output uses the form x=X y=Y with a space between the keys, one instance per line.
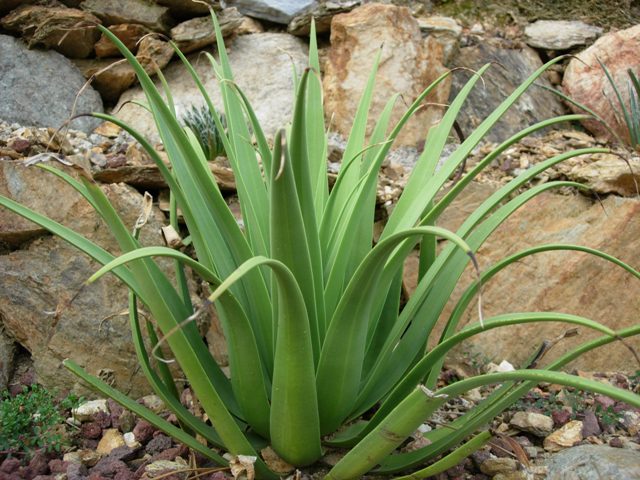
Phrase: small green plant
x=322 y=350
x=201 y=122
x=33 y=419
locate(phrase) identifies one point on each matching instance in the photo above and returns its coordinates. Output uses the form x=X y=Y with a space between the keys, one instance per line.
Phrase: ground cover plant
x=32 y=420
x=311 y=308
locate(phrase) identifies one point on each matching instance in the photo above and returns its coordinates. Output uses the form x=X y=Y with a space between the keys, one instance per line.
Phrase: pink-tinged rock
x=584 y=80
x=569 y=282
x=407 y=67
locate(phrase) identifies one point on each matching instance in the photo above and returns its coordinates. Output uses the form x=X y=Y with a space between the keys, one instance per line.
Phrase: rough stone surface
x=406 y=67
x=69 y=31
x=500 y=465
x=560 y=34
x=535 y=423
x=594 y=462
x=610 y=174
x=569 y=282
x=7 y=354
x=112 y=77
x=567 y=436
x=39 y=88
x=514 y=66
x=198 y=32
x=250 y=56
x=127 y=33
x=322 y=12
x=585 y=81
x=277 y=11
x=189 y=8
x=144 y=12
x=38 y=284
x=21 y=184
x=445 y=31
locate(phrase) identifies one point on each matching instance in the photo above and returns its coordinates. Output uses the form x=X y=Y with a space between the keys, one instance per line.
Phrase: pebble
x=110 y=440
x=85 y=457
x=153 y=403
x=165 y=466
x=534 y=423
x=565 y=437
x=494 y=466
x=87 y=411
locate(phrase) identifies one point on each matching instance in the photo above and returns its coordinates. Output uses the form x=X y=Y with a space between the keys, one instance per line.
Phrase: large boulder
x=569 y=282
x=585 y=80
x=70 y=31
x=46 y=307
x=40 y=88
x=277 y=11
x=261 y=64
x=594 y=462
x=406 y=67
x=512 y=67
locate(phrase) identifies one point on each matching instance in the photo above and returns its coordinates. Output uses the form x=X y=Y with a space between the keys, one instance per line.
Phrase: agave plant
x=200 y=121
x=310 y=307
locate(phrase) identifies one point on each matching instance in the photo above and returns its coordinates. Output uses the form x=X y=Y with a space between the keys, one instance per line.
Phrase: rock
x=198 y=32
x=153 y=403
x=154 y=54
x=609 y=174
x=277 y=11
x=112 y=77
x=593 y=462
x=87 y=411
x=20 y=183
x=250 y=57
x=160 y=467
x=85 y=457
x=535 y=423
x=127 y=33
x=445 y=31
x=7 y=354
x=144 y=12
x=585 y=81
x=590 y=426
x=248 y=26
x=565 y=437
x=39 y=88
x=560 y=34
x=406 y=67
x=69 y=31
x=130 y=440
x=158 y=444
x=143 y=431
x=38 y=282
x=189 y=8
x=560 y=417
x=494 y=466
x=90 y=430
x=322 y=12
x=514 y=66
x=110 y=440
x=570 y=282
